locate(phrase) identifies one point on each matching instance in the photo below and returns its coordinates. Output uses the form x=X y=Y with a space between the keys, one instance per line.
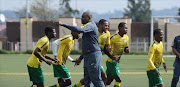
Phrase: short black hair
x=156 y=31
x=101 y=22
x=48 y=29
x=121 y=24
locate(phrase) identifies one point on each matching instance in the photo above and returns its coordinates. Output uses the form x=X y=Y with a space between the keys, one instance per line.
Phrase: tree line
x=138 y=10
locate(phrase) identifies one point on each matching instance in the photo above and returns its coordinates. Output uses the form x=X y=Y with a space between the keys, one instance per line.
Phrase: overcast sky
x=99 y=6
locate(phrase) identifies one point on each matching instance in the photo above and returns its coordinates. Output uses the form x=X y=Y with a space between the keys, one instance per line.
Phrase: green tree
x=67 y=10
x=41 y=9
x=178 y=14
x=138 y=10
x=20 y=12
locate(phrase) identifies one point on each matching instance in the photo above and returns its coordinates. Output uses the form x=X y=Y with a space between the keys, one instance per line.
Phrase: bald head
x=86 y=17
x=87 y=14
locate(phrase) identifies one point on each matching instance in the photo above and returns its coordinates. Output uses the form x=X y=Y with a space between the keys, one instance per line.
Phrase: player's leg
x=113 y=73
x=117 y=83
x=161 y=85
x=109 y=79
x=68 y=82
x=109 y=73
x=40 y=84
x=93 y=68
x=36 y=76
x=80 y=83
x=176 y=74
x=103 y=75
x=64 y=77
x=154 y=80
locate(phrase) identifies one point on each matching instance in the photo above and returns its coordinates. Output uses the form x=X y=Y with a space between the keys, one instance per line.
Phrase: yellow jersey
x=66 y=44
x=155 y=55
x=43 y=45
x=103 y=38
x=118 y=44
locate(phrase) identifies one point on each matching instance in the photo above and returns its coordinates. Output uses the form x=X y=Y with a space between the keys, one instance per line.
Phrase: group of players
x=113 y=46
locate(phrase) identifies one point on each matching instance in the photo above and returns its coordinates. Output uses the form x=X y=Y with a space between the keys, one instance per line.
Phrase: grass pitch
x=13 y=71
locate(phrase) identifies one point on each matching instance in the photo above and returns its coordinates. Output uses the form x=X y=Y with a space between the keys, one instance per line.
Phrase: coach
x=90 y=49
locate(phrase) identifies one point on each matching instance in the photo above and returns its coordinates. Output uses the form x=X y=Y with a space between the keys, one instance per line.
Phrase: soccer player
x=61 y=49
x=39 y=54
x=155 y=59
x=104 y=42
x=176 y=65
x=91 y=53
x=119 y=43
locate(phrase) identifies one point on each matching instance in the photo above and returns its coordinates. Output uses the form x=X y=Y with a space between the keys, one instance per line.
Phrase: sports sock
x=78 y=84
x=117 y=84
x=34 y=86
x=56 y=85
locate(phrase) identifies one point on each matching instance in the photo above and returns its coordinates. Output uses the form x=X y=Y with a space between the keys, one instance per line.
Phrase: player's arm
x=41 y=57
x=70 y=59
x=164 y=65
x=107 y=52
x=149 y=60
x=126 y=49
x=48 y=57
x=110 y=55
x=55 y=46
x=174 y=48
x=84 y=29
x=108 y=46
x=175 y=52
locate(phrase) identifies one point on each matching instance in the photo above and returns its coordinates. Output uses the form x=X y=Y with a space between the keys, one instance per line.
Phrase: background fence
x=134 y=46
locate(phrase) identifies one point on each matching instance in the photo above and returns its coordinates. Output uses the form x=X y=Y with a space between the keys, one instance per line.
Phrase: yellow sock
x=117 y=84
x=34 y=85
x=78 y=84
x=57 y=85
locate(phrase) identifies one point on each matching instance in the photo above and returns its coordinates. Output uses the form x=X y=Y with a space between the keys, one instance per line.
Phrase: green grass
x=13 y=71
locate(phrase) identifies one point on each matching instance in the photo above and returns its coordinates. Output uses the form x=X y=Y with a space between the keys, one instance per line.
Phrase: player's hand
x=56 y=59
x=127 y=50
x=49 y=62
x=77 y=61
x=115 y=58
x=157 y=72
x=58 y=23
x=165 y=67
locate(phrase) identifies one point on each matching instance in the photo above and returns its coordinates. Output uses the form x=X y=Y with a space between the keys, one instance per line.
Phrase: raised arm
x=84 y=29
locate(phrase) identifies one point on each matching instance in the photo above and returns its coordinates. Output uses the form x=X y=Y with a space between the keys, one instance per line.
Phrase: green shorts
x=102 y=68
x=153 y=79
x=61 y=71
x=112 y=68
x=36 y=74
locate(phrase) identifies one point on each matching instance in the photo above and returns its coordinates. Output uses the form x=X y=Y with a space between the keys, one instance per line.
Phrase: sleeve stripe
x=44 y=44
x=153 y=43
x=113 y=36
x=65 y=38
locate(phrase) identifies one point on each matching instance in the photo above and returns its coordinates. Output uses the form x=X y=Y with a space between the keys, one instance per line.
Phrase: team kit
x=95 y=40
